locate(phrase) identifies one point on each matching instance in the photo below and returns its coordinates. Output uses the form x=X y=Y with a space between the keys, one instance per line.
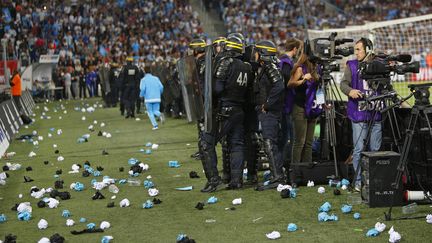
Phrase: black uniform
x=112 y=96
x=232 y=79
x=269 y=94
x=175 y=90
x=130 y=85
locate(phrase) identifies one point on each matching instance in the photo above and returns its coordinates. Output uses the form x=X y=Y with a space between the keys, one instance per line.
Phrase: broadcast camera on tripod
x=326 y=52
x=381 y=100
x=420 y=123
x=378 y=73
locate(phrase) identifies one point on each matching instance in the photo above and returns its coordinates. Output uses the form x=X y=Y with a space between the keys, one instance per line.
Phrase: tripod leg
x=404 y=155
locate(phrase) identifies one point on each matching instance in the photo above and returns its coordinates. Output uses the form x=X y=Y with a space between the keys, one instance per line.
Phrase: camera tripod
x=331 y=94
x=418 y=111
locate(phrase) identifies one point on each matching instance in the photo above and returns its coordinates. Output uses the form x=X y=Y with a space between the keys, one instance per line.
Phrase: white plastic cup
x=113 y=189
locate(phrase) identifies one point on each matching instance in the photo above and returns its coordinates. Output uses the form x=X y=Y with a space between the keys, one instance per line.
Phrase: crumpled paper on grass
x=282 y=187
x=70 y=222
x=212 y=200
x=148 y=204
x=107 y=239
x=153 y=192
x=324 y=217
x=372 y=233
x=380 y=227
x=346 y=208
x=91 y=226
x=394 y=236
x=3 y=218
x=291 y=227
x=124 y=203
x=237 y=201
x=66 y=213
x=356 y=216
x=148 y=184
x=105 y=225
x=173 y=164
x=24 y=216
x=24 y=207
x=53 y=203
x=44 y=240
x=429 y=219
x=325 y=207
x=273 y=235
x=42 y=224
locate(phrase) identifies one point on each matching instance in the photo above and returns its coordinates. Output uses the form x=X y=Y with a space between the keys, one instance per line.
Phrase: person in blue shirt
x=151 y=89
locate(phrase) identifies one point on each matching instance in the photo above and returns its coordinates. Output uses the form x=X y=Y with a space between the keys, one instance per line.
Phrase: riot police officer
x=197 y=49
x=219 y=53
x=232 y=77
x=130 y=84
x=269 y=89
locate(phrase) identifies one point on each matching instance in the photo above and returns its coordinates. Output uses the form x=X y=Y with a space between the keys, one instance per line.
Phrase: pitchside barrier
x=10 y=118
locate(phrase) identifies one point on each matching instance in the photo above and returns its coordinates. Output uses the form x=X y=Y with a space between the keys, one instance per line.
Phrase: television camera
x=378 y=71
x=325 y=51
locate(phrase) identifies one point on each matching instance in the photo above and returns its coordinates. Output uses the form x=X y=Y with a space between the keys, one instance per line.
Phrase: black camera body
x=325 y=51
x=421 y=93
x=327 y=48
x=379 y=70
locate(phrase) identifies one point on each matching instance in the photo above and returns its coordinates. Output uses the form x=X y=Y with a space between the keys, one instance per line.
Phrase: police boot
x=252 y=178
x=212 y=185
x=236 y=180
x=122 y=109
x=128 y=113
x=196 y=155
x=132 y=112
x=213 y=179
x=275 y=168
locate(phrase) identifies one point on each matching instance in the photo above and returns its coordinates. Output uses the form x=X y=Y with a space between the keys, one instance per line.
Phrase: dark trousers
x=129 y=98
x=251 y=141
x=232 y=131
x=17 y=102
x=270 y=133
x=82 y=90
x=287 y=139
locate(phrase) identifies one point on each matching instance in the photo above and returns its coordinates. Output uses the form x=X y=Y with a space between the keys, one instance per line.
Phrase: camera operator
x=304 y=79
x=356 y=89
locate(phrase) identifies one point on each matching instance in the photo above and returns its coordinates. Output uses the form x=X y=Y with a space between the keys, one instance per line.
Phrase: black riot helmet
x=238 y=35
x=197 y=45
x=219 y=42
x=266 y=49
x=234 y=44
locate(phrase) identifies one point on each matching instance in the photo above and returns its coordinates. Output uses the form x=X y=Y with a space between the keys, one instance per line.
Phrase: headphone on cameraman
x=367 y=44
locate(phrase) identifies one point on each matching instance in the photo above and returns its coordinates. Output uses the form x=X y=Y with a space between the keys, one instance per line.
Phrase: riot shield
x=208 y=89
x=191 y=92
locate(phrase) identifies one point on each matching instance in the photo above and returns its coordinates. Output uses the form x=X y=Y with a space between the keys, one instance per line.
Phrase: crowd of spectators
x=278 y=20
x=88 y=33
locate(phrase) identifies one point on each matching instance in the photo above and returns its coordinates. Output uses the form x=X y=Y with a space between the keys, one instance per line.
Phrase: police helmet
x=197 y=45
x=235 y=44
x=220 y=41
x=238 y=35
x=266 y=48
